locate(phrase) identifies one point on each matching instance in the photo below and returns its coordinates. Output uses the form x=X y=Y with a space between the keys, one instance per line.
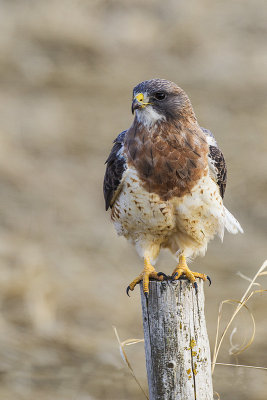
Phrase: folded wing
x=116 y=165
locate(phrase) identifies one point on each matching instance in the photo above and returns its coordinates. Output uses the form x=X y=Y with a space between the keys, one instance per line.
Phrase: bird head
x=159 y=100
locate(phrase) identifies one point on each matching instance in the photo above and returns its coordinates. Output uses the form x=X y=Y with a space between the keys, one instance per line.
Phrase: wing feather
x=116 y=165
x=216 y=161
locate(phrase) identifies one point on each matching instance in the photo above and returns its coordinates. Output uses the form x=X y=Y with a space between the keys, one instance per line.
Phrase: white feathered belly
x=137 y=212
x=200 y=215
x=186 y=224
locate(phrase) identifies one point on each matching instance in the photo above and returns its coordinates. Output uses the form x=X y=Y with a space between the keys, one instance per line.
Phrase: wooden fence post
x=176 y=342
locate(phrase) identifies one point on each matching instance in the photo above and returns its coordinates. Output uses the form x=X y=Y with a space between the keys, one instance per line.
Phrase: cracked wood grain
x=176 y=342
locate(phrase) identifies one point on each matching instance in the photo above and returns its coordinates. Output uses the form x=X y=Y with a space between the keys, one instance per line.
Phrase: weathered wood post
x=176 y=342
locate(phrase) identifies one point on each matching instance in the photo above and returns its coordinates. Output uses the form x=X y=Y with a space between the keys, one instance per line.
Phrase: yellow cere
x=140 y=97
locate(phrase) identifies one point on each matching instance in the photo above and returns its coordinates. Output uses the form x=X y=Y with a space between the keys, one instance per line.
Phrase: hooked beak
x=138 y=102
x=135 y=105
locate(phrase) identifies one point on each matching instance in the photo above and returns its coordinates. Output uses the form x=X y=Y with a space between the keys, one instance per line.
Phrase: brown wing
x=217 y=159
x=116 y=165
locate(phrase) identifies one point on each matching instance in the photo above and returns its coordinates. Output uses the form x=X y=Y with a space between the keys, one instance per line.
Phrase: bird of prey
x=165 y=181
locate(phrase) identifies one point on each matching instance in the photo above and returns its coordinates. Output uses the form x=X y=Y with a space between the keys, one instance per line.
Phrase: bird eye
x=160 y=95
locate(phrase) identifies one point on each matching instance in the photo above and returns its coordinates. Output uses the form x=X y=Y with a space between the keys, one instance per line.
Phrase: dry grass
x=129 y=342
x=240 y=304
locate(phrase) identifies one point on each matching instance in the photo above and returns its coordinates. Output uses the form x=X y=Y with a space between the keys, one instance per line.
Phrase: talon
x=147 y=274
x=174 y=276
x=162 y=274
x=146 y=295
x=208 y=278
x=183 y=270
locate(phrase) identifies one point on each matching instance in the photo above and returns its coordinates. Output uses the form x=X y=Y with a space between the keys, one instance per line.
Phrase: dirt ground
x=67 y=69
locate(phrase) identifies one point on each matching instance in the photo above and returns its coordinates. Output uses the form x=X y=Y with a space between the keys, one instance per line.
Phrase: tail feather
x=231 y=224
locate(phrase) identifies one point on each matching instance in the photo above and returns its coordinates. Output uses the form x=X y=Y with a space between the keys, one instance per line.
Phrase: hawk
x=165 y=181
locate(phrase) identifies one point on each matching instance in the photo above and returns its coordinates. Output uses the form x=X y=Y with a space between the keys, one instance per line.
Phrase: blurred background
x=67 y=69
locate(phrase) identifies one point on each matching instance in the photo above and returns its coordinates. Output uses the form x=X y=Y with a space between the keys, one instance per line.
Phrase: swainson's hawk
x=165 y=181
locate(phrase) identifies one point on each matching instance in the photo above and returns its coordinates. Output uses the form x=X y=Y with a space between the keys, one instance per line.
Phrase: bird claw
x=174 y=276
x=172 y=279
x=127 y=291
x=166 y=277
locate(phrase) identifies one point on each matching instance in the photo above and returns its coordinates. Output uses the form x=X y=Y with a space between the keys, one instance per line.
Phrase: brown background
x=67 y=69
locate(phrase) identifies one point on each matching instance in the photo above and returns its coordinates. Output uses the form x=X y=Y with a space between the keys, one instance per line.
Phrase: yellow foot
x=182 y=269
x=148 y=272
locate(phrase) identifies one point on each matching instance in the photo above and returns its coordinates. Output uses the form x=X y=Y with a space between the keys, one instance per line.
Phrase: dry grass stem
x=129 y=342
x=241 y=303
x=244 y=366
x=246 y=278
